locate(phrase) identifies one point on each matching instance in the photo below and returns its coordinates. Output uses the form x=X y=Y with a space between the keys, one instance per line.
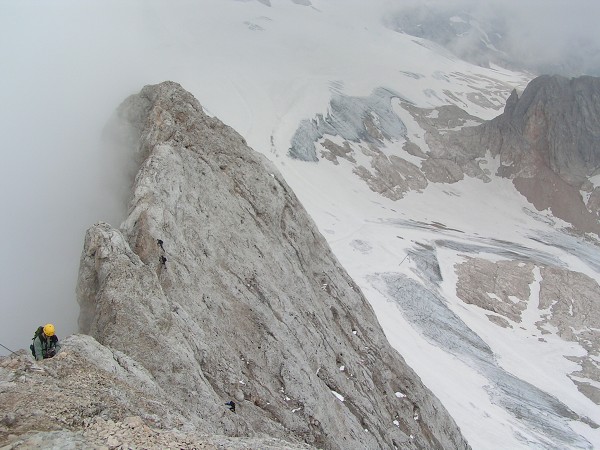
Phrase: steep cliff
x=549 y=144
x=219 y=284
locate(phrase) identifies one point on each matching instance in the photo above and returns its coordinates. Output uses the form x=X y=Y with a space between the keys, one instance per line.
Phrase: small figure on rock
x=163 y=260
x=45 y=343
x=160 y=244
x=231 y=405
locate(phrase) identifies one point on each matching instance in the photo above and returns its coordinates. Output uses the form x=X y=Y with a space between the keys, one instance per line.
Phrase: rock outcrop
x=549 y=144
x=219 y=286
x=567 y=302
x=559 y=120
x=92 y=397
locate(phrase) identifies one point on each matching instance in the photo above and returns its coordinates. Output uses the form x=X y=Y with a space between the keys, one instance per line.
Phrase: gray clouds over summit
x=543 y=36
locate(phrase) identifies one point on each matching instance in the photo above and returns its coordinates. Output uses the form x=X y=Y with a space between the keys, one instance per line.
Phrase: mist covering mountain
x=220 y=288
x=460 y=194
x=508 y=33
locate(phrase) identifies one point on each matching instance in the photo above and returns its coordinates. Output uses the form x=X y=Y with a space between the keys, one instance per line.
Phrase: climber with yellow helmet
x=45 y=342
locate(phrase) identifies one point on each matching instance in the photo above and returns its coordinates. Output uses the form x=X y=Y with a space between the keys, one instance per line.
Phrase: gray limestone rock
x=219 y=286
x=97 y=402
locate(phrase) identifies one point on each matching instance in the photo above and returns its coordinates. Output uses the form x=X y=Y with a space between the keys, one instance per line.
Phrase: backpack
x=37 y=333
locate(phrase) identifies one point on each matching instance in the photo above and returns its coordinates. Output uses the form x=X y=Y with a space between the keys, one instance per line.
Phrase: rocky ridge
x=219 y=285
x=89 y=396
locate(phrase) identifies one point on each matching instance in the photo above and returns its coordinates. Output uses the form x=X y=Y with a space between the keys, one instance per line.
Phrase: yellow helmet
x=49 y=329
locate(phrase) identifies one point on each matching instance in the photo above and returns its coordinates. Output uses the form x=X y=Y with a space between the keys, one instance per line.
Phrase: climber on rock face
x=45 y=343
x=231 y=405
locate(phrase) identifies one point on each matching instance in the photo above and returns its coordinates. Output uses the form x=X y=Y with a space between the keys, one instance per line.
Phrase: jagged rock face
x=560 y=119
x=219 y=284
x=554 y=126
x=549 y=144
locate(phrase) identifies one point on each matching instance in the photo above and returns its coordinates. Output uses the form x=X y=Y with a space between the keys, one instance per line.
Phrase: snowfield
x=267 y=72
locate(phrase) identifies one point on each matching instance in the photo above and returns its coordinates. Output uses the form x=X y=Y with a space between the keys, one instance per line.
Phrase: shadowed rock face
x=560 y=119
x=219 y=284
x=549 y=144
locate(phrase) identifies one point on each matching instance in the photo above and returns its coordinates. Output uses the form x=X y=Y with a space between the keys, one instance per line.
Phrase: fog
x=67 y=64
x=544 y=36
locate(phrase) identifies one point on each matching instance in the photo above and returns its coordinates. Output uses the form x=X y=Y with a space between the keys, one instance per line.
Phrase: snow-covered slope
x=404 y=255
x=277 y=71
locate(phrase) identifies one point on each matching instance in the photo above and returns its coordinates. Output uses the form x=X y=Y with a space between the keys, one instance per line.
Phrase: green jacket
x=45 y=347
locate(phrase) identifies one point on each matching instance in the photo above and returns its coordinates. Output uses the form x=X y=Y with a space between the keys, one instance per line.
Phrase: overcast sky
x=556 y=36
x=65 y=67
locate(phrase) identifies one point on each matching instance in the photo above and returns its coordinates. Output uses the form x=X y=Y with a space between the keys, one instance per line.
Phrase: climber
x=45 y=342
x=231 y=405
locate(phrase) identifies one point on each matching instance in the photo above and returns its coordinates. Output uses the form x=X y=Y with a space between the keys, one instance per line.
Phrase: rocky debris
x=333 y=151
x=83 y=399
x=499 y=320
x=220 y=287
x=62 y=393
x=390 y=176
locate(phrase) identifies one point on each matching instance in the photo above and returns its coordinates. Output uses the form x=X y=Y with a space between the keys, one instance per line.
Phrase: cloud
x=545 y=36
x=57 y=177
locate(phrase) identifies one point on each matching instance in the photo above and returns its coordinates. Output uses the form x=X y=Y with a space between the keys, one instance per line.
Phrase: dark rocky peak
x=548 y=141
x=559 y=118
x=511 y=103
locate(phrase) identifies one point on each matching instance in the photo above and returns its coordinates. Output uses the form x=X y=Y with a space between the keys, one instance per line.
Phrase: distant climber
x=231 y=405
x=45 y=342
x=163 y=258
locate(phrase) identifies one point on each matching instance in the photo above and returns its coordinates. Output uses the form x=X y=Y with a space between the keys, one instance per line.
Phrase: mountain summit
x=549 y=144
x=219 y=284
